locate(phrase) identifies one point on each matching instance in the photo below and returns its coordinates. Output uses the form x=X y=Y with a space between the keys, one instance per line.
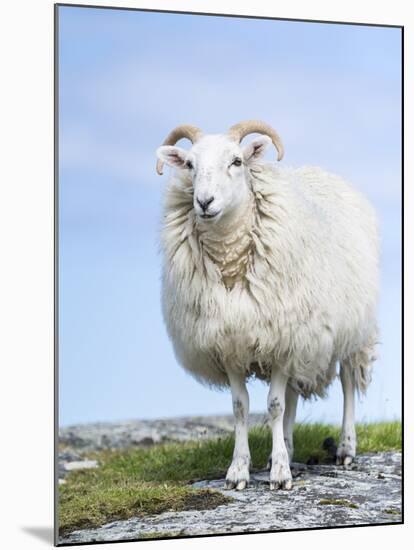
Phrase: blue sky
x=125 y=79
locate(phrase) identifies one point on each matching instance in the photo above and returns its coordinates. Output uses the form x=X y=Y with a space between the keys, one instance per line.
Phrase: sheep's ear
x=173 y=156
x=256 y=149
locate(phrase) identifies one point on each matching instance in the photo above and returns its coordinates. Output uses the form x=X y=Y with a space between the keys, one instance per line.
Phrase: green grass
x=138 y=482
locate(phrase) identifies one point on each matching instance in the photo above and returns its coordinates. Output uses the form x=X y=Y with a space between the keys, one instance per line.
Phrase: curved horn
x=242 y=129
x=184 y=131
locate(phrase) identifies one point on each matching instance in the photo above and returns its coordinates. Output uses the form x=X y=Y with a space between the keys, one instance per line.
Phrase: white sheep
x=267 y=272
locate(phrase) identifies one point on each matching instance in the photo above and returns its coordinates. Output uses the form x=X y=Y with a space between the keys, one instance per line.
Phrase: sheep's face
x=218 y=167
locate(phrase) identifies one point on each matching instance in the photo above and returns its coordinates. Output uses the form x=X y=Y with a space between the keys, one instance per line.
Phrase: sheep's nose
x=204 y=204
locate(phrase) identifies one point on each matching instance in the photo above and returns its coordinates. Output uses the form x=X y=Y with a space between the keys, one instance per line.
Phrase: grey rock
x=69 y=460
x=104 y=435
x=80 y=465
x=69 y=456
x=322 y=496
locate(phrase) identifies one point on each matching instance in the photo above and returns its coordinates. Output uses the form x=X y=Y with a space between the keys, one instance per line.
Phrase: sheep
x=271 y=273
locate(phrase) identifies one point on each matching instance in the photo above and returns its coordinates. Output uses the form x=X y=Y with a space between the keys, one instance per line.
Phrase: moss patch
x=337 y=502
x=392 y=511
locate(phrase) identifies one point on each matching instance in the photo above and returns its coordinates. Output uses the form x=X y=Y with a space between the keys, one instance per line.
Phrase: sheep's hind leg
x=289 y=420
x=238 y=473
x=291 y=402
x=347 y=445
x=280 y=475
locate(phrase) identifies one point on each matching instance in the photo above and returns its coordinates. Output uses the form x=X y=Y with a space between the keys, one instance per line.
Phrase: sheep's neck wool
x=229 y=245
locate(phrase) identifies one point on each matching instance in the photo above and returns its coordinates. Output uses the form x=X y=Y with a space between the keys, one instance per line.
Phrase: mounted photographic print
x=228 y=274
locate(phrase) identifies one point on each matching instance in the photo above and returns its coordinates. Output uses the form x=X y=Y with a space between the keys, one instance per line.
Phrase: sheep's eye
x=189 y=165
x=237 y=161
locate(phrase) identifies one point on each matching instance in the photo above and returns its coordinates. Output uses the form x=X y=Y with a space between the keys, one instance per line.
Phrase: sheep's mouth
x=206 y=216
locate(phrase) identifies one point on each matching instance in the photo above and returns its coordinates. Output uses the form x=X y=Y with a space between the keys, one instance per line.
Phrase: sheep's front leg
x=238 y=474
x=347 y=446
x=291 y=402
x=280 y=476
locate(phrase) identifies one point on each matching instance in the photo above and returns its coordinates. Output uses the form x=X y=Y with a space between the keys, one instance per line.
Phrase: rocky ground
x=368 y=492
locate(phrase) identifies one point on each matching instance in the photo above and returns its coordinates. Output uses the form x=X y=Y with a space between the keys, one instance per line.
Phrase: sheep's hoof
x=344 y=460
x=238 y=485
x=241 y=485
x=238 y=474
x=346 y=451
x=285 y=485
x=280 y=477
